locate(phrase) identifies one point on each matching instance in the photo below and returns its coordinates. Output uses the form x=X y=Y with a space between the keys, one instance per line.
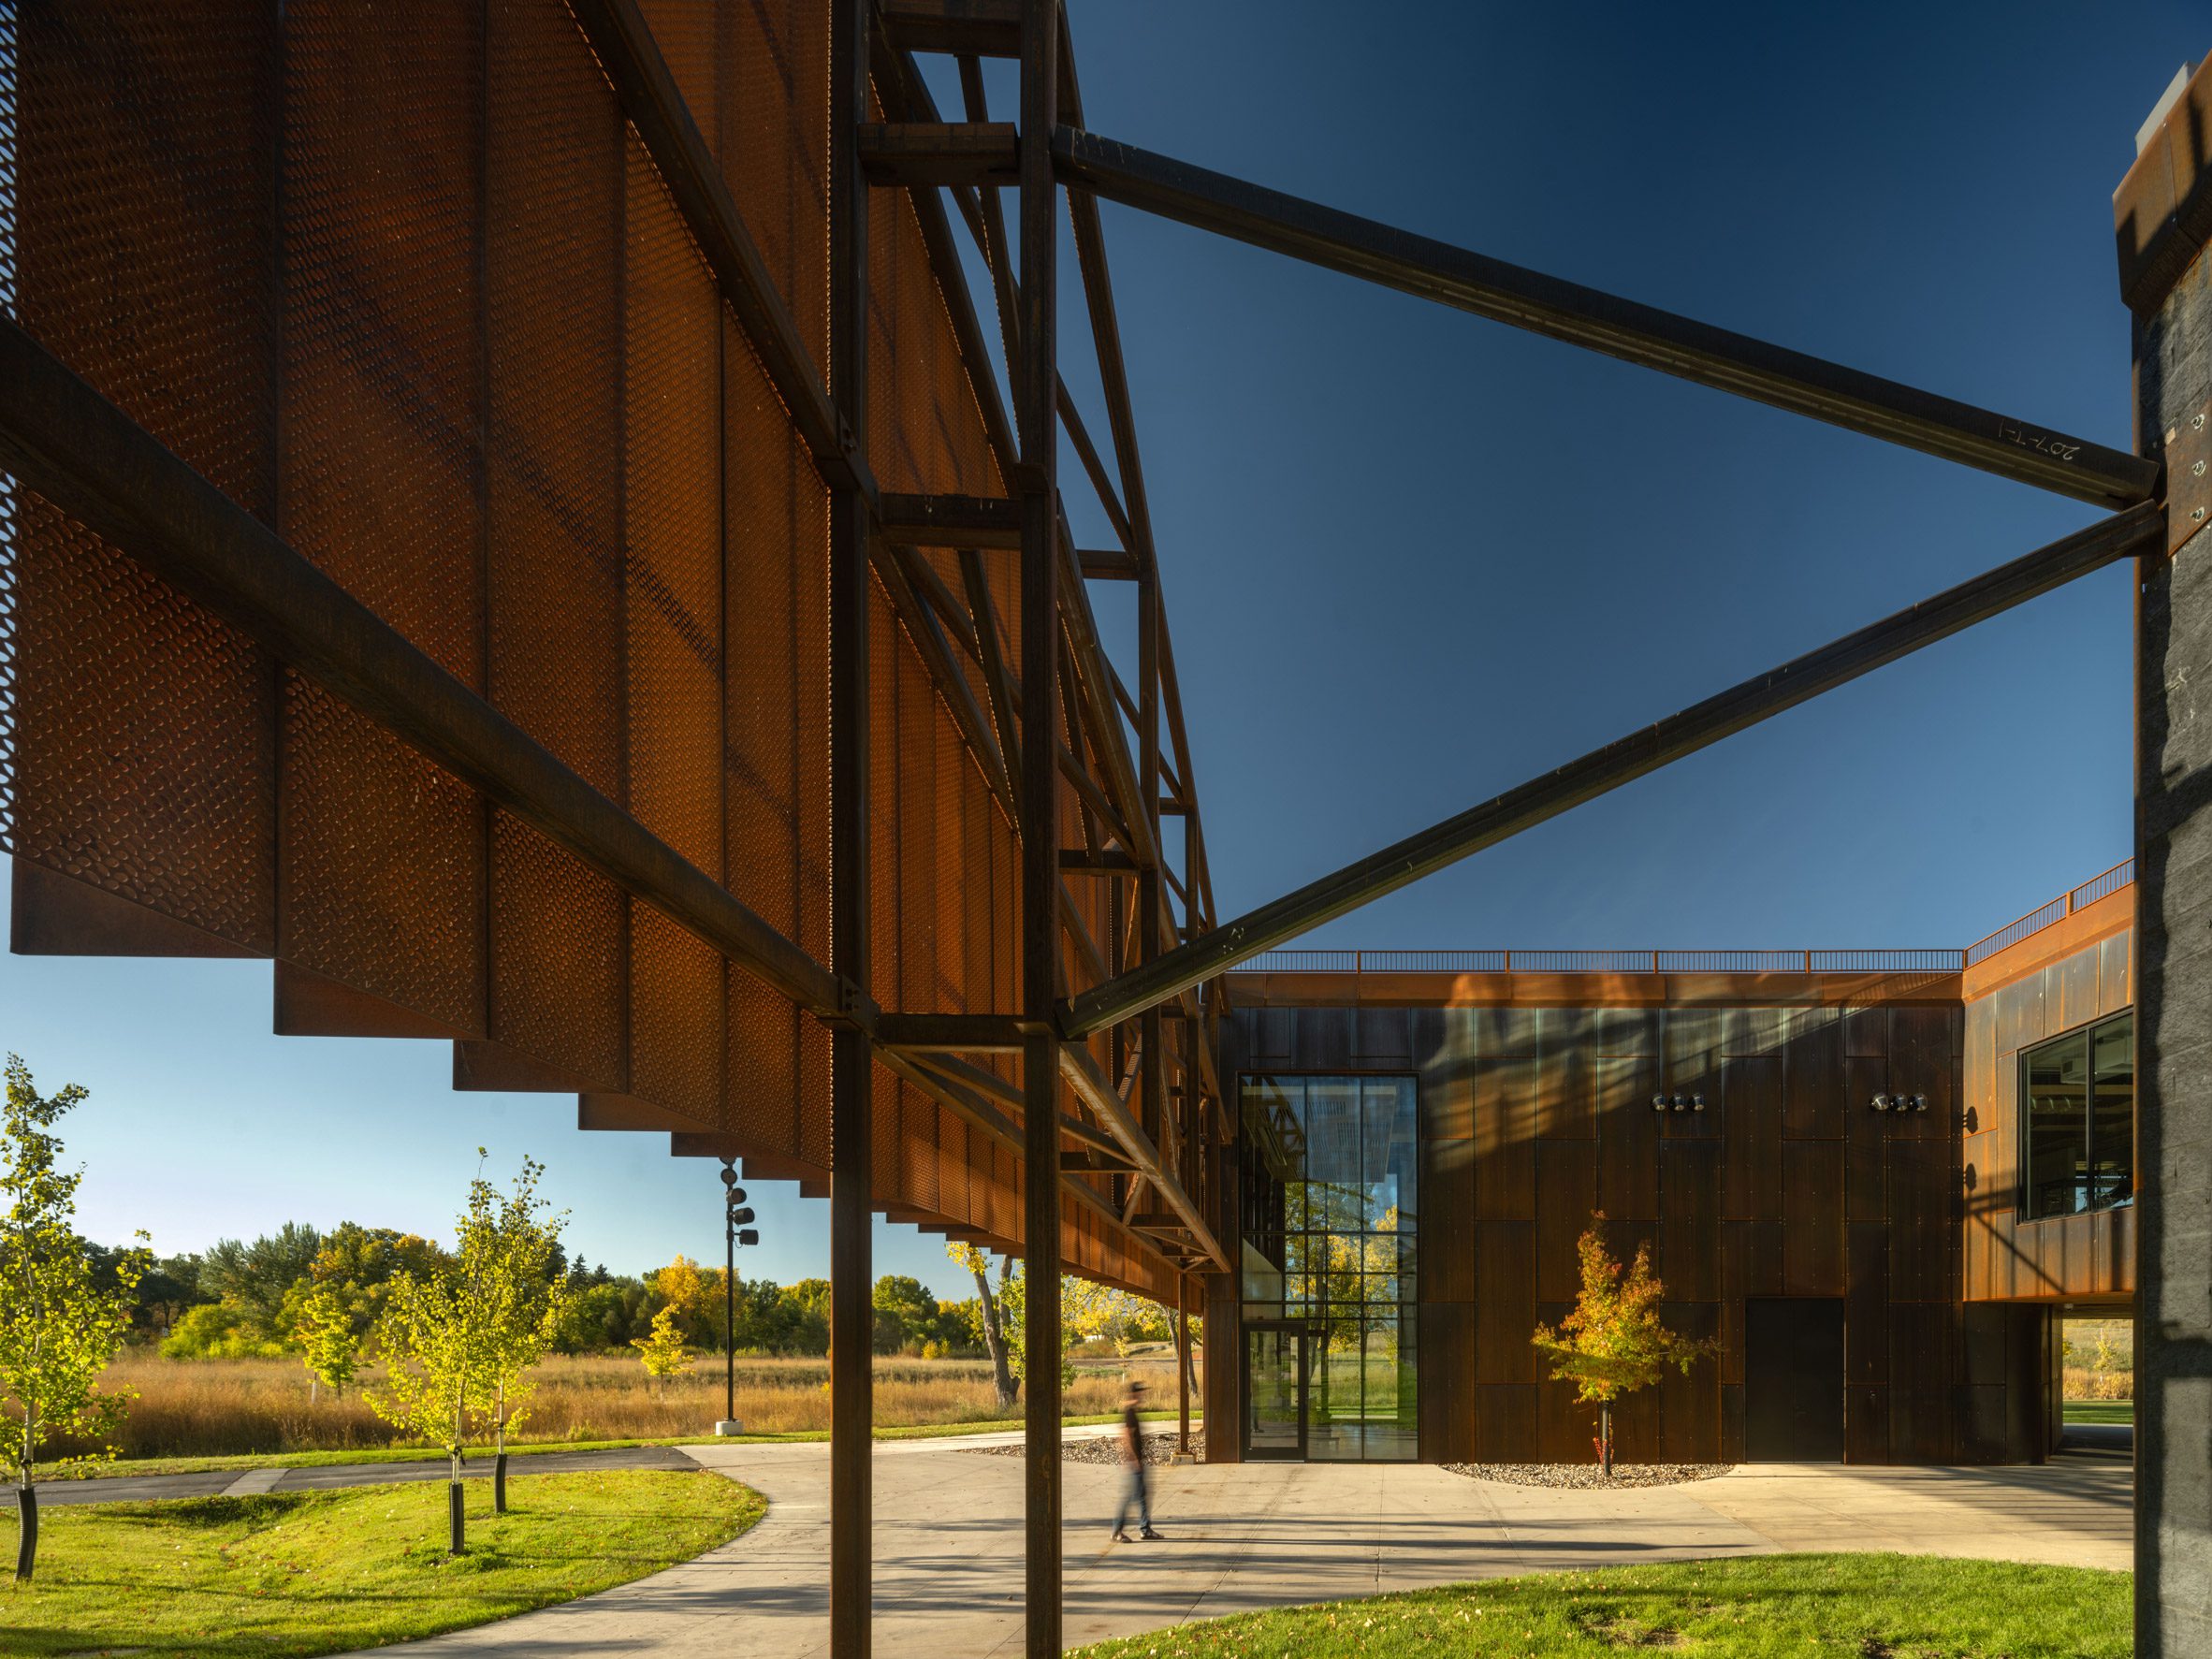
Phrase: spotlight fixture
x=1881 y=1103
x=1920 y=1102
x=1697 y=1102
x=1658 y=1102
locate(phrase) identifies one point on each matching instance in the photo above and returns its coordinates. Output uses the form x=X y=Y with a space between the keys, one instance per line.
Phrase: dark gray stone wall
x=2174 y=1021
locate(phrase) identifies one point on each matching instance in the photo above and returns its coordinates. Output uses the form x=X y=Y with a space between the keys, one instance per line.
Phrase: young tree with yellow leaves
x=458 y=1338
x=664 y=1349
x=529 y=1298
x=327 y=1346
x=58 y=1326
x=1613 y=1342
x=993 y=1317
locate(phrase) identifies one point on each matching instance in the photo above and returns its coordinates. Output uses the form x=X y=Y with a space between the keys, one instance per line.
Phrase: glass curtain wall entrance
x=1330 y=1222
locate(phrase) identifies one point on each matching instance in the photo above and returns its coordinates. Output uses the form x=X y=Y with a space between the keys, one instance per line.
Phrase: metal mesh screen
x=10 y=513
x=146 y=170
x=379 y=482
x=458 y=347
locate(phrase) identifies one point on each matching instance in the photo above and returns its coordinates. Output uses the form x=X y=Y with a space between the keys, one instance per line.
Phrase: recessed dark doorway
x=1793 y=1380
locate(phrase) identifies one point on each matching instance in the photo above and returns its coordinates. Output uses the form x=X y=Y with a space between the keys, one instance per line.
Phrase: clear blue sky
x=1413 y=558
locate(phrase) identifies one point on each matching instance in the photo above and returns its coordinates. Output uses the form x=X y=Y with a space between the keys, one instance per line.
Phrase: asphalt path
x=140 y=1489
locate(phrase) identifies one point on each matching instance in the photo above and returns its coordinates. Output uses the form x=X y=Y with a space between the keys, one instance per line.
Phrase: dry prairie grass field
x=213 y=1407
x=2099 y=1360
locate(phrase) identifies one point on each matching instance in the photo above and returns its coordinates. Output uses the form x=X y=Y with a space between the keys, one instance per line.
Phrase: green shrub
x=216 y=1331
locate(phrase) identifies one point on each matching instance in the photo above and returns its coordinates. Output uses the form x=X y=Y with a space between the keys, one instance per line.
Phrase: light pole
x=735 y=1233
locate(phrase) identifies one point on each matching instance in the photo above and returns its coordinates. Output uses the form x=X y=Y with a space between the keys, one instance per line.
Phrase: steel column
x=1620 y=761
x=1035 y=376
x=852 y=1317
x=2167 y=277
x=1151 y=1056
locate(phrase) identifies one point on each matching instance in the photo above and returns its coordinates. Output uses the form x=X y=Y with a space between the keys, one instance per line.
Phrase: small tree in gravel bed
x=1613 y=1342
x=59 y=1328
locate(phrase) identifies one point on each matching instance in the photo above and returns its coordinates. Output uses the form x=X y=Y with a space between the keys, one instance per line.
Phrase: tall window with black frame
x=2077 y=1121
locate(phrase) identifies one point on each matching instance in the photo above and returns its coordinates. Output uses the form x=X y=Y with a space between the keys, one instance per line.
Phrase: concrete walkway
x=948 y=1544
x=140 y=1489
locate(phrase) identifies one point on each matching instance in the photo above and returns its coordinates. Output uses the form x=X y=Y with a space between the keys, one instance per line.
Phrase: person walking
x=1132 y=1454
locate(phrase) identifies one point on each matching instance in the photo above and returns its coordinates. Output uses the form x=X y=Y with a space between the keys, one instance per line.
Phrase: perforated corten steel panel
x=379 y=482
x=555 y=189
x=672 y=538
x=773 y=95
x=146 y=187
x=458 y=349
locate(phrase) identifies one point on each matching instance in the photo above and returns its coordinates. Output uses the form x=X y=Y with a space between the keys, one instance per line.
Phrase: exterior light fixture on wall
x=1881 y=1102
x=1901 y=1103
x=1658 y=1102
x=1678 y=1102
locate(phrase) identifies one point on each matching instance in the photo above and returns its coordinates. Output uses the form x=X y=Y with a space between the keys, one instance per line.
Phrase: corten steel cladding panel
x=461 y=352
x=672 y=542
x=1788 y=1183
x=381 y=855
x=144 y=759
x=2084 y=1256
x=557 y=198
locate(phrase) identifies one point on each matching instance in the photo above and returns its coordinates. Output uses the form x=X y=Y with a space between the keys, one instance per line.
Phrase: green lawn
x=1907 y=1607
x=480 y=1459
x=323 y=1572
x=2101 y=1411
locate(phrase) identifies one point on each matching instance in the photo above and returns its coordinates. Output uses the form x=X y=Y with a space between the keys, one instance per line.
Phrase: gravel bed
x=1586 y=1475
x=1104 y=1448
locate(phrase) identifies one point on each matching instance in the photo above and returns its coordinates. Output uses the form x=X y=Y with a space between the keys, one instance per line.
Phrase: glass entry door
x=1274 y=1390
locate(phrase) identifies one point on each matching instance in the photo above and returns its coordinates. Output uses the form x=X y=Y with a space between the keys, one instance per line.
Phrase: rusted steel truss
x=1099 y=738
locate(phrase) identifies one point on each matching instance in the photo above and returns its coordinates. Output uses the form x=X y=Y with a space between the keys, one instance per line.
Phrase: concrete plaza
x=948 y=1533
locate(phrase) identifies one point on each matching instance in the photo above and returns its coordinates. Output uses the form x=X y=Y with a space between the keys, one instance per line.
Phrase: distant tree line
x=287 y=1292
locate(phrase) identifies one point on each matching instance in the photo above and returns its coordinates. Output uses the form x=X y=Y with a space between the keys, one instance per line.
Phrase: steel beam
x=60 y=438
x=923 y=154
x=983 y=28
x=927 y=1074
x=1624 y=329
x=627 y=51
x=952 y=521
x=1108 y=565
x=950 y=1033
x=906 y=98
x=1620 y=761
x=852 y=1059
x=899 y=570
x=999 y=679
x=1094 y=1091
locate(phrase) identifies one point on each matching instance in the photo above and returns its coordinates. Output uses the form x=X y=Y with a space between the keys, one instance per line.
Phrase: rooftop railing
x=1941 y=960
x=2035 y=921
